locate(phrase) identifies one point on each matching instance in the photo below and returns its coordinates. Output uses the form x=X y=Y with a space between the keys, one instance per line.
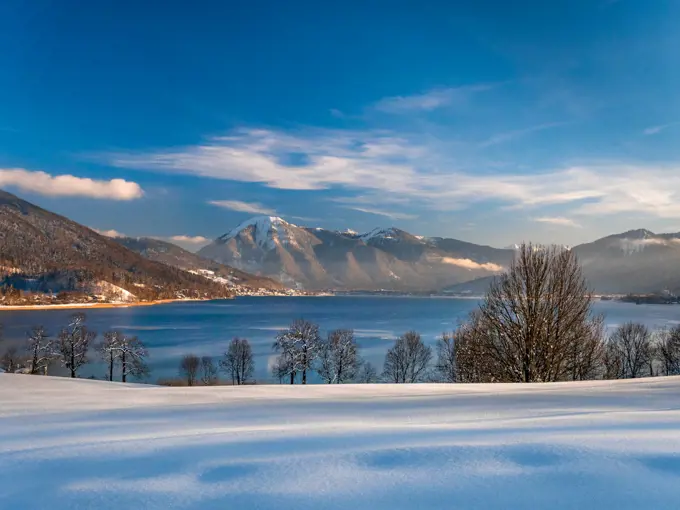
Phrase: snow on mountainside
x=392 y=259
x=266 y=230
x=173 y=255
x=106 y=446
x=384 y=258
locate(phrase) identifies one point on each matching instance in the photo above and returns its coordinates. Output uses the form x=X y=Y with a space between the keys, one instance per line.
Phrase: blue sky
x=489 y=121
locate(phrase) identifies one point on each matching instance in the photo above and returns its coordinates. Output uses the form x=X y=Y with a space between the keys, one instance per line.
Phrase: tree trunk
x=111 y=366
x=73 y=363
x=304 y=376
x=123 y=365
x=292 y=378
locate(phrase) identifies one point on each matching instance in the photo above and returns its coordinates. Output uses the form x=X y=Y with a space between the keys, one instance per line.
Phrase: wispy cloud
x=518 y=133
x=190 y=239
x=557 y=220
x=246 y=207
x=653 y=130
x=385 y=169
x=69 y=185
x=430 y=100
x=389 y=214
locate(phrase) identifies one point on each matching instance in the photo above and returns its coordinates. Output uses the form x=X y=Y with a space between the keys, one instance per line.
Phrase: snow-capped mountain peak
x=381 y=233
x=263 y=229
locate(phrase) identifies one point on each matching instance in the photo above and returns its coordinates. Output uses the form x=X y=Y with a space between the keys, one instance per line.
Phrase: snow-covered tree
x=110 y=350
x=40 y=350
x=298 y=347
x=73 y=343
x=128 y=352
x=132 y=358
x=338 y=358
x=408 y=360
x=208 y=371
x=238 y=361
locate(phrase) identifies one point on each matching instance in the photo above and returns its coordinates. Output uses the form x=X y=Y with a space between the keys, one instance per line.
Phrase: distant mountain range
x=637 y=261
x=43 y=251
x=316 y=258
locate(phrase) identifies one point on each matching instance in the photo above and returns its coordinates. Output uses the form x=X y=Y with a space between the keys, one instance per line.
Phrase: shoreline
x=75 y=306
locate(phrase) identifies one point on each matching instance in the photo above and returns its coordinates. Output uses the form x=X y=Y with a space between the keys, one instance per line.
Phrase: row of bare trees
x=237 y=363
x=71 y=349
x=301 y=350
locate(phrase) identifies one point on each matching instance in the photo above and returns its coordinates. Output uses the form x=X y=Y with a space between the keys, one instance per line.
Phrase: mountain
x=172 y=255
x=43 y=251
x=637 y=261
x=634 y=262
x=384 y=258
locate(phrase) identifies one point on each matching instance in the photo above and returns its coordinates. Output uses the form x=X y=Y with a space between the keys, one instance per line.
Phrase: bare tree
x=338 y=358
x=109 y=350
x=586 y=356
x=446 y=366
x=73 y=343
x=299 y=347
x=283 y=368
x=10 y=361
x=39 y=349
x=534 y=323
x=127 y=351
x=612 y=361
x=634 y=345
x=208 y=371
x=188 y=368
x=239 y=364
x=132 y=358
x=668 y=351
x=367 y=374
x=407 y=361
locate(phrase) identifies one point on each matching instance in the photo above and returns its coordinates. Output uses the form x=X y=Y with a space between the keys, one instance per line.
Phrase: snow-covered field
x=88 y=444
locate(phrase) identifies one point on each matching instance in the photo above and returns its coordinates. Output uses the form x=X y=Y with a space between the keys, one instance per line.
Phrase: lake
x=205 y=328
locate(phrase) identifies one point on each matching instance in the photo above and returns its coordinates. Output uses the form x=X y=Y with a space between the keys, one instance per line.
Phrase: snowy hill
x=92 y=444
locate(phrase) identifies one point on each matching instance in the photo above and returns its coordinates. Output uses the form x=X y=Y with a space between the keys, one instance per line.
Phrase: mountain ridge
x=49 y=253
x=318 y=258
x=388 y=258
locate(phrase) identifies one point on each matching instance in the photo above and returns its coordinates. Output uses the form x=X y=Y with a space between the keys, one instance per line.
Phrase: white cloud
x=247 y=207
x=69 y=185
x=386 y=169
x=653 y=130
x=471 y=264
x=558 y=220
x=190 y=239
x=109 y=233
x=430 y=100
x=388 y=214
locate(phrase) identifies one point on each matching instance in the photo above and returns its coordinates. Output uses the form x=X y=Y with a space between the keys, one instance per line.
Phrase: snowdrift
x=87 y=444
